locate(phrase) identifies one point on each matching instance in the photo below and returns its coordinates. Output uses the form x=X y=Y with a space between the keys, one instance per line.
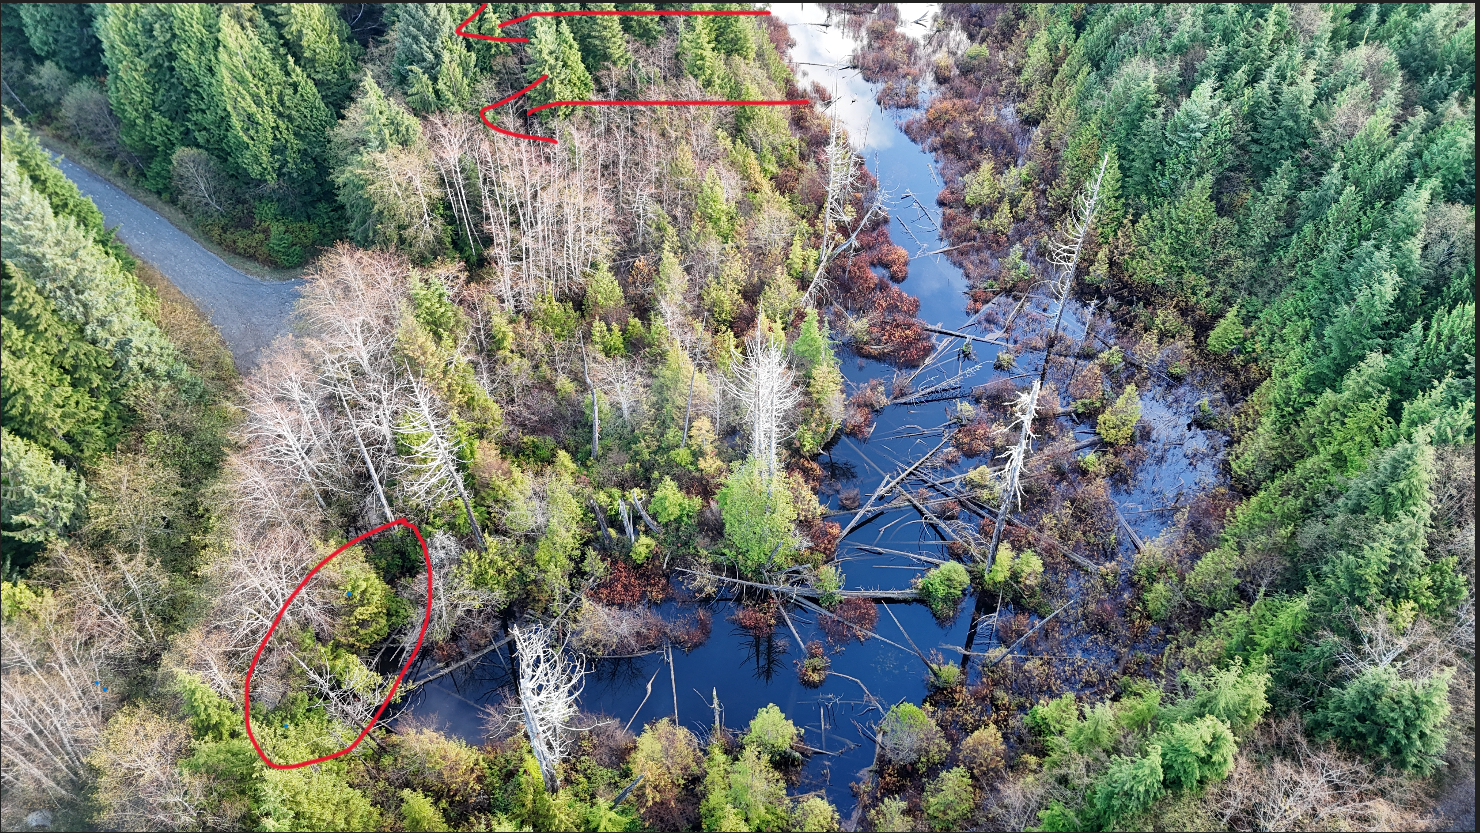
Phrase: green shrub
x=1127 y=787
x=1397 y=720
x=1117 y=424
x=1229 y=333
x=943 y=587
x=950 y=800
x=758 y=519
x=1158 y=601
x=1234 y=695
x=1051 y=718
x=770 y=732
x=892 y=816
x=419 y=814
x=814 y=813
x=1195 y=753
x=907 y=735
x=982 y=751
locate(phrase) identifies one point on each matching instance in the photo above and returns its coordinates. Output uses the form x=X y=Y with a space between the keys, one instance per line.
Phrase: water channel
x=747 y=673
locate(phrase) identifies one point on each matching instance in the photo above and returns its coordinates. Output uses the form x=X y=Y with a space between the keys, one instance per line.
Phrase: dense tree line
x=538 y=354
x=1290 y=189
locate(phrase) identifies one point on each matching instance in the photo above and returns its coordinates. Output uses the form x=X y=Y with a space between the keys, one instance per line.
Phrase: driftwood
x=647 y=519
x=888 y=486
x=1031 y=631
x=451 y=668
x=1136 y=540
x=997 y=342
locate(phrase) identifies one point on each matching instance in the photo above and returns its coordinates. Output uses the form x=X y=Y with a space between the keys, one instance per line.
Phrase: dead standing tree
x=1065 y=249
x=550 y=683
x=432 y=467
x=1024 y=411
x=842 y=183
x=764 y=384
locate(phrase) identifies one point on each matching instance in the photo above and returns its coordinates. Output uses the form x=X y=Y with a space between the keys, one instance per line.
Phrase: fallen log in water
x=811 y=592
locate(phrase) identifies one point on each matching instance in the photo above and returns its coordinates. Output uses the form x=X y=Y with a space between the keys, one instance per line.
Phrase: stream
x=744 y=672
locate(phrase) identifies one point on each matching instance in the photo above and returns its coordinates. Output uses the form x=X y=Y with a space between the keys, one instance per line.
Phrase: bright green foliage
x=1193 y=754
x=82 y=282
x=553 y=52
x=37 y=165
x=310 y=798
x=642 y=549
x=1229 y=333
x=603 y=293
x=714 y=209
x=829 y=582
x=746 y=794
x=41 y=498
x=758 y=515
x=1139 y=707
x=733 y=34
x=1127 y=787
x=669 y=504
x=319 y=40
x=892 y=815
x=996 y=578
x=58 y=389
x=374 y=609
x=19 y=600
x=697 y=51
x=907 y=735
x=770 y=732
x=943 y=587
x=560 y=546
x=601 y=38
x=211 y=716
x=419 y=814
x=814 y=813
x=811 y=347
x=982 y=187
x=1234 y=695
x=950 y=800
x=1117 y=424
x=1053 y=717
x=1397 y=720
x=1096 y=731
x=64 y=33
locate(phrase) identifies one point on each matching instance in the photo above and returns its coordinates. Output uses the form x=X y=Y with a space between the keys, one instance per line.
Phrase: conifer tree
x=421 y=37
x=140 y=77
x=319 y=42
x=553 y=52
x=39 y=498
x=696 y=50
x=601 y=39
x=641 y=27
x=64 y=33
x=733 y=34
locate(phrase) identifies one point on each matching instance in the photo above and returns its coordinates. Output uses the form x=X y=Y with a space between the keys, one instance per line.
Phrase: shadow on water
x=746 y=672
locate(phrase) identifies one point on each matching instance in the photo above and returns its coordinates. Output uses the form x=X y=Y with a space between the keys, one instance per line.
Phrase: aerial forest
x=621 y=392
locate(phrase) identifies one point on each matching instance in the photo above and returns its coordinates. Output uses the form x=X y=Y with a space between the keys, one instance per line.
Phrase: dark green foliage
x=600 y=37
x=421 y=38
x=641 y=27
x=1397 y=720
x=64 y=33
x=319 y=41
x=1127 y=787
x=553 y=52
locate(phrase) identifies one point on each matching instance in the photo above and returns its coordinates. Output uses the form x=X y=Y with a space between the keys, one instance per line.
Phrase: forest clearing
x=1051 y=417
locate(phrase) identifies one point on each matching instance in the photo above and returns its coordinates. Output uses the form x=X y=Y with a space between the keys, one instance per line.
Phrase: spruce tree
x=64 y=33
x=319 y=42
x=251 y=83
x=140 y=77
x=600 y=37
x=553 y=52
x=421 y=36
x=39 y=498
x=645 y=28
x=733 y=34
x=696 y=50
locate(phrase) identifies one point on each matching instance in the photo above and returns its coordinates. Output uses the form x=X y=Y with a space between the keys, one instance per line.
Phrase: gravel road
x=249 y=312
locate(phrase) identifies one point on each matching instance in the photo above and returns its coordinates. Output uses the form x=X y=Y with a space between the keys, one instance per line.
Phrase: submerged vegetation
x=598 y=375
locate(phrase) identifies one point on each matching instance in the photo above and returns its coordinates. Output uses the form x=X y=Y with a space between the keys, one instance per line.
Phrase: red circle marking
x=425 y=620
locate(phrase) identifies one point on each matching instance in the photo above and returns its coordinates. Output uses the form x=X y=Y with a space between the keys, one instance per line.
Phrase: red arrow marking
x=426 y=619
x=483 y=114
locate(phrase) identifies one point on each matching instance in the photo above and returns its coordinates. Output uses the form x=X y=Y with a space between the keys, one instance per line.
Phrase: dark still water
x=746 y=673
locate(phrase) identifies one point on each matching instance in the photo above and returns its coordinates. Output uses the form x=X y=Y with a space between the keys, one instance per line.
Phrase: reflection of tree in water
x=623 y=671
x=841 y=471
x=767 y=652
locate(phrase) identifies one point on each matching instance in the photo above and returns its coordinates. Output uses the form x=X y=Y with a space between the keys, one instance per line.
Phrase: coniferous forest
x=1195 y=549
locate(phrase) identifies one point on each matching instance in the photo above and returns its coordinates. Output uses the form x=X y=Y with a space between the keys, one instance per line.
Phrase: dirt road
x=249 y=312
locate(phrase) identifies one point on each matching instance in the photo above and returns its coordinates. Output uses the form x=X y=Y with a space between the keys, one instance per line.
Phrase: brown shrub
x=854 y=618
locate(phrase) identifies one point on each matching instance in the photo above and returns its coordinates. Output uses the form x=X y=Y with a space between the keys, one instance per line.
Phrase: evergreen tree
x=64 y=33
x=600 y=37
x=553 y=52
x=645 y=28
x=140 y=76
x=39 y=498
x=733 y=34
x=373 y=123
x=696 y=50
x=319 y=42
x=59 y=391
x=1394 y=719
x=421 y=36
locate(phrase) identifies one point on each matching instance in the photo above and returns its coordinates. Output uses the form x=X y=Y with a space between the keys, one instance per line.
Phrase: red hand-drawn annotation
x=483 y=113
x=425 y=620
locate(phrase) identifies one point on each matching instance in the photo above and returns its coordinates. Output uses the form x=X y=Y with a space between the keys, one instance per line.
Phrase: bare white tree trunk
x=432 y=469
x=764 y=384
x=550 y=682
x=1023 y=412
x=1065 y=249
